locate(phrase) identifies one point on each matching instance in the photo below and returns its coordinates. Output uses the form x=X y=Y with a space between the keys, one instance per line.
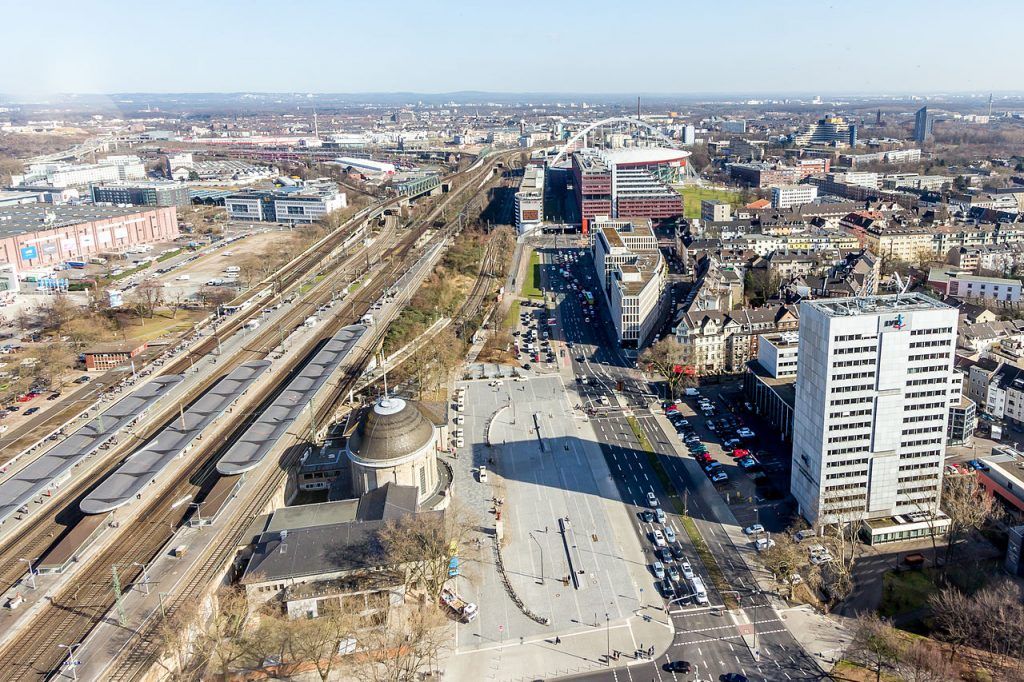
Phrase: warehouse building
x=43 y=235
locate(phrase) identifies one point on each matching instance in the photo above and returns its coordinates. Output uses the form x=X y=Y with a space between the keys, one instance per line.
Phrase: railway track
x=88 y=598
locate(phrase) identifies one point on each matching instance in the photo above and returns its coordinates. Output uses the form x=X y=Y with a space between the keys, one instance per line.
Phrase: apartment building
x=868 y=443
x=715 y=210
x=723 y=341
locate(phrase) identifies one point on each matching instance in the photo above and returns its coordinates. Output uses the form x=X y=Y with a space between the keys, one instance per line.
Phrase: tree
x=919 y=661
x=672 y=361
x=178 y=655
x=147 y=297
x=214 y=297
x=401 y=642
x=875 y=644
x=267 y=647
x=968 y=507
x=425 y=544
x=222 y=635
x=783 y=560
x=56 y=312
x=319 y=640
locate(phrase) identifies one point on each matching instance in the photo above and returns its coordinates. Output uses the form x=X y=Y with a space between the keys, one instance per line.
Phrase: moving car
x=755 y=529
x=670 y=534
x=687 y=570
x=647 y=516
x=676 y=667
x=652 y=499
x=658 y=538
x=673 y=574
x=659 y=570
x=659 y=514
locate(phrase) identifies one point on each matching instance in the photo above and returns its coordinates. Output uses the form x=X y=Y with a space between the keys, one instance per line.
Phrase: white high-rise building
x=873 y=392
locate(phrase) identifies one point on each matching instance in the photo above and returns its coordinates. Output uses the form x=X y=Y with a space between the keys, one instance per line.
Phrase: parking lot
x=756 y=483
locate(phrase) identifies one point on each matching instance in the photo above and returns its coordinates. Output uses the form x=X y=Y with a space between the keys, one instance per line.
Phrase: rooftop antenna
x=384 y=371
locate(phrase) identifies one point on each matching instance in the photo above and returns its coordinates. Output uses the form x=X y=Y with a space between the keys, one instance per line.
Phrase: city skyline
x=537 y=49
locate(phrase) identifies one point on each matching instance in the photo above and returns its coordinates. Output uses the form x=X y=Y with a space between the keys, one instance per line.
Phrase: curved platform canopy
x=40 y=475
x=259 y=439
x=139 y=470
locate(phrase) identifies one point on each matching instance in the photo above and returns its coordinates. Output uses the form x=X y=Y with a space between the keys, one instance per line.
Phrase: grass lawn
x=531 y=289
x=905 y=591
x=692 y=196
x=513 y=315
x=162 y=323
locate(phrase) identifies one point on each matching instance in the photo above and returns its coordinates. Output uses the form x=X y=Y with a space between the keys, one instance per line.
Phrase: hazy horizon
x=574 y=48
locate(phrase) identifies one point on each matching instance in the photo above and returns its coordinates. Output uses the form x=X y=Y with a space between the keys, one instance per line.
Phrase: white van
x=183 y=278
x=692 y=393
x=483 y=474
x=232 y=270
x=460 y=442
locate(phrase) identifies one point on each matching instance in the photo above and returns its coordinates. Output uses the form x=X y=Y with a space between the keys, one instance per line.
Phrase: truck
x=367 y=319
x=310 y=321
x=700 y=593
x=466 y=611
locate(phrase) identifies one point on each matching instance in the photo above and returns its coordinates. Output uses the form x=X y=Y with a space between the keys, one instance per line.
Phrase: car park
x=977 y=465
x=749 y=463
x=802 y=535
x=740 y=452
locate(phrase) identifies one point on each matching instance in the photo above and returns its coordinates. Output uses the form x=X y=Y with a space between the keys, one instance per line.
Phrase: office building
x=769 y=383
x=626 y=183
x=689 y=135
x=292 y=205
x=923 y=125
x=631 y=273
x=42 y=235
x=110 y=169
x=963 y=285
x=715 y=211
x=141 y=194
x=764 y=174
x=788 y=196
x=737 y=127
x=829 y=130
x=530 y=199
x=873 y=392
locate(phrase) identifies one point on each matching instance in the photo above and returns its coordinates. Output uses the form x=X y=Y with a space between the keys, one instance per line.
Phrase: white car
x=687 y=570
x=659 y=514
x=755 y=529
x=658 y=538
x=659 y=570
x=652 y=499
x=764 y=543
x=483 y=474
x=670 y=534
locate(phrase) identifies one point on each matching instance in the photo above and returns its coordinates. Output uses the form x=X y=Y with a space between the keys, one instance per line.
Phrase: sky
x=564 y=46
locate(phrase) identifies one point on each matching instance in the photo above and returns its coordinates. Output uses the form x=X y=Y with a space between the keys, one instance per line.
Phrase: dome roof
x=393 y=429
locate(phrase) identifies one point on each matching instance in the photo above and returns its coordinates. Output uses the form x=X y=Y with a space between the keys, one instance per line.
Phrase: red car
x=740 y=452
x=705 y=458
x=24 y=398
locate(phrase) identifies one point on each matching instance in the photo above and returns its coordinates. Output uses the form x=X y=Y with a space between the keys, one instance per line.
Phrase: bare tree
x=782 y=560
x=875 y=644
x=425 y=544
x=920 y=661
x=175 y=638
x=402 y=642
x=968 y=507
x=56 y=312
x=222 y=633
x=669 y=358
x=215 y=296
x=147 y=297
x=319 y=640
x=267 y=647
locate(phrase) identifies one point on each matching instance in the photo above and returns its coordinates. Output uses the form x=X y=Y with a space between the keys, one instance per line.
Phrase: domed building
x=395 y=442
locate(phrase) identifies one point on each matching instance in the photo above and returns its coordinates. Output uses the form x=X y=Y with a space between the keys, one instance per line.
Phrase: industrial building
x=43 y=235
x=631 y=273
x=141 y=194
x=868 y=442
x=626 y=183
x=530 y=199
x=366 y=165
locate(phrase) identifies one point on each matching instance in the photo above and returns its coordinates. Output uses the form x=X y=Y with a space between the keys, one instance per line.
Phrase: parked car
x=761 y=544
x=754 y=529
x=31 y=410
x=720 y=477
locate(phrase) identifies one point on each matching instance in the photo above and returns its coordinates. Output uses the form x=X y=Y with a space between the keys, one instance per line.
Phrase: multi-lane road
x=751 y=640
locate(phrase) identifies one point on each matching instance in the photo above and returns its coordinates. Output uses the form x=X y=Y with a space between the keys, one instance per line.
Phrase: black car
x=733 y=677
x=677 y=551
x=666 y=554
x=676 y=667
x=666 y=588
x=647 y=516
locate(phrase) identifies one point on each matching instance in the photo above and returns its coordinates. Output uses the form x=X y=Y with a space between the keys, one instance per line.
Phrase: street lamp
x=608 y=640
x=31 y=571
x=145 y=576
x=541 y=548
x=199 y=516
x=72 y=661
